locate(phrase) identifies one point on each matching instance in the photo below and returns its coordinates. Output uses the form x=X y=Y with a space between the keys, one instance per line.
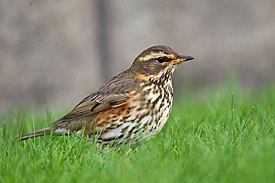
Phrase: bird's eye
x=163 y=59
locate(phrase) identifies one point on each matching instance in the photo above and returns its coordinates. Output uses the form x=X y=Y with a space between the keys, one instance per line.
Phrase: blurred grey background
x=55 y=52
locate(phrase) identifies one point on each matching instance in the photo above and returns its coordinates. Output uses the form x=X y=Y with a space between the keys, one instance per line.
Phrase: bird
x=131 y=108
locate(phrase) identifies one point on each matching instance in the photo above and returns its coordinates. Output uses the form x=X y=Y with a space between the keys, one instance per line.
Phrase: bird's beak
x=182 y=58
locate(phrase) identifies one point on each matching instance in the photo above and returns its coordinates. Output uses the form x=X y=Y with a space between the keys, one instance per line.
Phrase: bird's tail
x=44 y=131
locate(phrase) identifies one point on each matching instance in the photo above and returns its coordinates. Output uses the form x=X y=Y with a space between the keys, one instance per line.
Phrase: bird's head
x=156 y=62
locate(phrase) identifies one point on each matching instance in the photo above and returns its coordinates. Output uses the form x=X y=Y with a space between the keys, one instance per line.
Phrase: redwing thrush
x=132 y=107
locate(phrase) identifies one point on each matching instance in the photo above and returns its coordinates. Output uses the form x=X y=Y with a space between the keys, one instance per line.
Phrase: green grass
x=215 y=135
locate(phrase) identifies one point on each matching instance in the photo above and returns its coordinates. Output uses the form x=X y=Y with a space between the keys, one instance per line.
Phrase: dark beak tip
x=186 y=58
x=189 y=58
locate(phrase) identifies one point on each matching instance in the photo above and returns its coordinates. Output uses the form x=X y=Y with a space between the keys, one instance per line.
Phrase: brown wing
x=110 y=96
x=95 y=104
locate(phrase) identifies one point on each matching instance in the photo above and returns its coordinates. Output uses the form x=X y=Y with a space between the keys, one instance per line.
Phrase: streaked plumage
x=131 y=108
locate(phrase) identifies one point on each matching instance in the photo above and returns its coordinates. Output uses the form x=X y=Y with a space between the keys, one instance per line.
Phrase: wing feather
x=89 y=106
x=113 y=94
